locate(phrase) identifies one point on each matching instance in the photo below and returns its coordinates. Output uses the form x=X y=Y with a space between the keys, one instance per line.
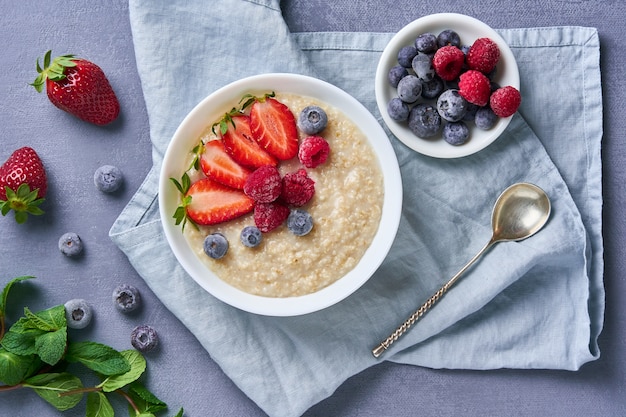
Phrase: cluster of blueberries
x=415 y=78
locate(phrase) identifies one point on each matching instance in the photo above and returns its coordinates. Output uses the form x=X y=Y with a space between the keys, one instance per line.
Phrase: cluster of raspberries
x=273 y=194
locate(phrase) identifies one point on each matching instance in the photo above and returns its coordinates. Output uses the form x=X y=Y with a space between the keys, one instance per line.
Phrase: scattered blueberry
x=144 y=338
x=215 y=245
x=108 y=178
x=470 y=113
x=485 y=118
x=395 y=74
x=299 y=222
x=70 y=244
x=455 y=133
x=432 y=88
x=406 y=55
x=426 y=43
x=423 y=67
x=451 y=105
x=312 y=120
x=448 y=37
x=398 y=110
x=409 y=89
x=251 y=236
x=126 y=298
x=424 y=120
x=78 y=313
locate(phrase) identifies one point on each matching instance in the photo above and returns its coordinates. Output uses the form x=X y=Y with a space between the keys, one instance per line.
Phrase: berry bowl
x=469 y=29
x=283 y=250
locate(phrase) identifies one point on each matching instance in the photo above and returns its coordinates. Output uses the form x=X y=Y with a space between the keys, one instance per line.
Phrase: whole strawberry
x=23 y=184
x=78 y=87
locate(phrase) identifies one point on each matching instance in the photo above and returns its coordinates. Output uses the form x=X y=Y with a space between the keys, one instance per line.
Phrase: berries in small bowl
x=468 y=58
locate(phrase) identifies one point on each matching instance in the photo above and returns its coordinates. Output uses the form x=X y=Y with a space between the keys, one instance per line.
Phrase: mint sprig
x=35 y=350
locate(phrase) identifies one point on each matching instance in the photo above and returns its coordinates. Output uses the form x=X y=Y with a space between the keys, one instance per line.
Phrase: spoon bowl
x=519 y=212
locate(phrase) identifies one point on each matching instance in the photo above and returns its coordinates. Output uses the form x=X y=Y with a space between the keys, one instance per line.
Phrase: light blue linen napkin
x=538 y=303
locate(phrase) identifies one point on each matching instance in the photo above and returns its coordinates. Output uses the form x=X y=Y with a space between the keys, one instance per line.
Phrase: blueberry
x=126 y=298
x=398 y=110
x=426 y=43
x=108 y=178
x=424 y=120
x=312 y=120
x=251 y=236
x=70 y=244
x=144 y=338
x=215 y=245
x=451 y=106
x=299 y=222
x=78 y=313
x=406 y=55
x=448 y=37
x=455 y=133
x=395 y=74
x=432 y=88
x=485 y=118
x=423 y=67
x=409 y=89
x=470 y=113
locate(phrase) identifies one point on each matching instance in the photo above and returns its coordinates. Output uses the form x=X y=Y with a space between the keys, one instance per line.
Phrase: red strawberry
x=240 y=144
x=213 y=203
x=218 y=165
x=273 y=126
x=23 y=184
x=79 y=87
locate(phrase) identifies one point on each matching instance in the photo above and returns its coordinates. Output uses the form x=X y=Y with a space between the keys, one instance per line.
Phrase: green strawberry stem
x=23 y=202
x=55 y=70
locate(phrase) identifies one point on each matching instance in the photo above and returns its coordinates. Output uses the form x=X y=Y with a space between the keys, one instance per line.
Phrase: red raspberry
x=263 y=185
x=298 y=188
x=505 y=101
x=448 y=62
x=483 y=55
x=474 y=86
x=268 y=216
x=313 y=151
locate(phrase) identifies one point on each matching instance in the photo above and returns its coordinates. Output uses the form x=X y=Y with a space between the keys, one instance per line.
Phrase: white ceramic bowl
x=469 y=29
x=211 y=109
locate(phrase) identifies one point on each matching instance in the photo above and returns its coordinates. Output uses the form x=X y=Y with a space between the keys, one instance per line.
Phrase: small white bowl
x=469 y=29
x=212 y=108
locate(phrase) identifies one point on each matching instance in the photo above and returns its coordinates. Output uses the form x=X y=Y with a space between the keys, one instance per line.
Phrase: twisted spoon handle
x=404 y=327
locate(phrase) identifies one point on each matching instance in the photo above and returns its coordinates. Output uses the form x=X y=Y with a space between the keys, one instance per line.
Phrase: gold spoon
x=520 y=212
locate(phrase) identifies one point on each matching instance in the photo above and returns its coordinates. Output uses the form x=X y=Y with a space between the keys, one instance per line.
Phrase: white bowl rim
x=508 y=73
x=188 y=132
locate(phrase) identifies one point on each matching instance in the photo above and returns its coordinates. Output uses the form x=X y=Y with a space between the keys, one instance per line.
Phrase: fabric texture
x=534 y=304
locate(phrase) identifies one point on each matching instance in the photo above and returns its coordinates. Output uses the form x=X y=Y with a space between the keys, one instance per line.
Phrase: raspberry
x=298 y=188
x=313 y=151
x=263 y=185
x=483 y=55
x=268 y=216
x=505 y=101
x=448 y=62
x=474 y=86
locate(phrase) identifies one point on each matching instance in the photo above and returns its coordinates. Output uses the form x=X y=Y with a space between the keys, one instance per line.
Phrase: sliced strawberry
x=213 y=203
x=273 y=126
x=240 y=144
x=218 y=165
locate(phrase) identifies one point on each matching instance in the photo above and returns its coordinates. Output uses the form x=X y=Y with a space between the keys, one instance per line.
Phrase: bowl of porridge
x=412 y=53
x=352 y=206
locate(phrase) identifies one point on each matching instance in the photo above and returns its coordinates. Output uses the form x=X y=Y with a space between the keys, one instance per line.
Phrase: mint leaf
x=5 y=293
x=15 y=368
x=50 y=386
x=144 y=399
x=51 y=346
x=20 y=340
x=97 y=357
x=46 y=320
x=98 y=405
x=137 y=366
x=180 y=413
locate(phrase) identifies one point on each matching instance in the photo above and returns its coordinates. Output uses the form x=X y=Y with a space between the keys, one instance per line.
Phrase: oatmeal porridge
x=346 y=210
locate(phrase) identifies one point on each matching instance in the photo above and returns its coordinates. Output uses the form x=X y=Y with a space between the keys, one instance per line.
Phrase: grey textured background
x=180 y=371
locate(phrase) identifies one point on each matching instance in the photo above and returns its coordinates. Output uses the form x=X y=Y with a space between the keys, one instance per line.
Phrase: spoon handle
x=404 y=327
